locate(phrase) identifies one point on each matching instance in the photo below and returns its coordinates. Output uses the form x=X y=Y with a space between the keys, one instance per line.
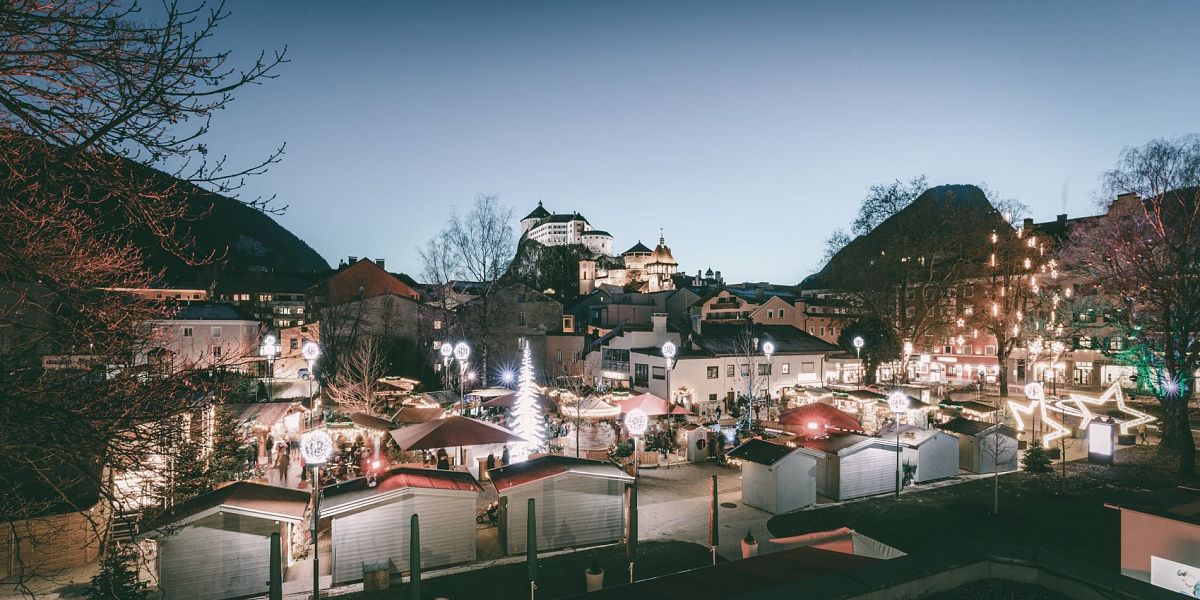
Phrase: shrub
x=1036 y=460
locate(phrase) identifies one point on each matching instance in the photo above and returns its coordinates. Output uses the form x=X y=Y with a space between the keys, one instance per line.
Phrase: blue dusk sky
x=747 y=131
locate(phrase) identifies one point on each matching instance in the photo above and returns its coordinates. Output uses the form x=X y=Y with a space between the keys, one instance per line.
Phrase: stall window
x=659 y=373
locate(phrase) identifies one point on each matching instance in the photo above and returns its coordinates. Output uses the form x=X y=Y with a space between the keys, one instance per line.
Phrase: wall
x=572 y=510
x=796 y=482
x=1143 y=536
x=53 y=542
x=223 y=555
x=381 y=532
x=867 y=472
x=238 y=342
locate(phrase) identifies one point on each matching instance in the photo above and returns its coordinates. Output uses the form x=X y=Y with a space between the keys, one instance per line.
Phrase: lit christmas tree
x=527 y=415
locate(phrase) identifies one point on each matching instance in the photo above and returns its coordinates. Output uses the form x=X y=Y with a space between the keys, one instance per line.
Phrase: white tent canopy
x=843 y=540
x=591 y=408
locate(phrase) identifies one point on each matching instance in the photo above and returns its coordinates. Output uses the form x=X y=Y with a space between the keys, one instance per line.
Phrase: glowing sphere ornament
x=316 y=446
x=636 y=422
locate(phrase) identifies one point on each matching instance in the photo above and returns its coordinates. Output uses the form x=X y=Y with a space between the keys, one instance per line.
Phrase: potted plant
x=594 y=576
x=749 y=546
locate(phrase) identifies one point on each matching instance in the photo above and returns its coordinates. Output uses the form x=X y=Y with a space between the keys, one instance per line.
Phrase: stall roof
x=735 y=578
x=820 y=413
x=245 y=497
x=911 y=435
x=371 y=422
x=758 y=450
x=355 y=492
x=836 y=443
x=972 y=427
x=649 y=403
x=267 y=413
x=510 y=476
x=417 y=414
x=451 y=432
x=978 y=407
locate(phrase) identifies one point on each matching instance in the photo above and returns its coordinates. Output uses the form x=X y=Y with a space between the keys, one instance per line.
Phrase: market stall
x=984 y=447
x=777 y=478
x=933 y=452
x=853 y=465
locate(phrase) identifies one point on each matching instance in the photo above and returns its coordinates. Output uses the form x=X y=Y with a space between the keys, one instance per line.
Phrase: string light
x=527 y=413
x=1037 y=397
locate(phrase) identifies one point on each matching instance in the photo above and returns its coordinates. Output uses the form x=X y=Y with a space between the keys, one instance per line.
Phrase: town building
x=205 y=335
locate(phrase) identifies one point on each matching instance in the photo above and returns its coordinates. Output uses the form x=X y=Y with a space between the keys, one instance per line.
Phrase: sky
x=746 y=131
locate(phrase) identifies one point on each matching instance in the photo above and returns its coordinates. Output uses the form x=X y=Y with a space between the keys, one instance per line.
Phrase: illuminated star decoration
x=1037 y=401
x=1079 y=408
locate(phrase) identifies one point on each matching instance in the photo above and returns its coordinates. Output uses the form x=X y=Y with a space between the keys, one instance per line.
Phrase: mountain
x=944 y=220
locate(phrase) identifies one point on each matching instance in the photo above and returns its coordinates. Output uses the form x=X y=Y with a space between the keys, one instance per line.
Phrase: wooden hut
x=777 y=478
x=853 y=465
x=984 y=447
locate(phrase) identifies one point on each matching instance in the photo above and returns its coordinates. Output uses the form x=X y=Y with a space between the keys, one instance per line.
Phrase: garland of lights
x=527 y=414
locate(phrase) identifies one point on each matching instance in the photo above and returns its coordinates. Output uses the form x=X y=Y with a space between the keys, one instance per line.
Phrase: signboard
x=1175 y=576
x=1102 y=441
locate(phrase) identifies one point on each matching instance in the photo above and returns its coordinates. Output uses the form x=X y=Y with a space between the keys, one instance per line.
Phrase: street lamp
x=461 y=353
x=311 y=352
x=898 y=403
x=768 y=349
x=636 y=422
x=668 y=352
x=858 y=344
x=315 y=447
x=269 y=350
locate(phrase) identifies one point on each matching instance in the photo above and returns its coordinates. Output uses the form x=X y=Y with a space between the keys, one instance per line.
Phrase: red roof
x=824 y=416
x=451 y=432
x=418 y=414
x=649 y=403
x=550 y=465
x=432 y=479
x=365 y=279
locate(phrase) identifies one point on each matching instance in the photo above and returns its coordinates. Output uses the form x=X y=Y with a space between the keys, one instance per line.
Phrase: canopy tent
x=816 y=418
x=844 y=540
x=409 y=414
x=591 y=408
x=679 y=410
x=452 y=432
x=489 y=393
x=509 y=401
x=649 y=403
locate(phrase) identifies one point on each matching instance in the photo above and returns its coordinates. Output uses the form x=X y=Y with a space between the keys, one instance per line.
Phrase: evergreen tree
x=227 y=461
x=1036 y=460
x=118 y=578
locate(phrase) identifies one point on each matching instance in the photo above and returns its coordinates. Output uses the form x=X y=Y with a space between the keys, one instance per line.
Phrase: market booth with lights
x=984 y=447
x=853 y=465
x=579 y=502
x=932 y=452
x=368 y=520
x=777 y=478
x=218 y=545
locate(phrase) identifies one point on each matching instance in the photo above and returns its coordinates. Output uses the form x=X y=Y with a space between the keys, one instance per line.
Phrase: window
x=1114 y=343
x=811 y=330
x=659 y=373
x=559 y=356
x=437 y=324
x=729 y=371
x=216 y=331
x=299 y=310
x=283 y=310
x=641 y=375
x=187 y=332
x=714 y=372
x=1085 y=341
x=195 y=296
x=822 y=331
x=764 y=369
x=785 y=368
x=770 y=314
x=294 y=344
x=216 y=351
x=989 y=350
x=808 y=367
x=521 y=318
x=712 y=397
x=745 y=370
x=909 y=312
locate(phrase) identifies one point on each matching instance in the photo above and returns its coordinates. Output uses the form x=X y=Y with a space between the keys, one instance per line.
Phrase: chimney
x=1027 y=223
x=353 y=259
x=696 y=321
x=379 y=261
x=719 y=280
x=659 y=322
x=1062 y=219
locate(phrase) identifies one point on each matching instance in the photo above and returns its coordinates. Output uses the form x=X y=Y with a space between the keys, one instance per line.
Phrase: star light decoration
x=1037 y=401
x=1076 y=406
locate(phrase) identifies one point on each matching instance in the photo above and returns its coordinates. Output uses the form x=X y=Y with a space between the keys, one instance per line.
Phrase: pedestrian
x=443 y=460
x=282 y=465
x=491 y=461
x=1143 y=435
x=504 y=457
x=270 y=447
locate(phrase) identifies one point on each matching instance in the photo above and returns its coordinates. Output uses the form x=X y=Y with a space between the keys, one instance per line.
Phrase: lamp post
x=461 y=353
x=858 y=345
x=315 y=447
x=768 y=348
x=898 y=403
x=636 y=422
x=446 y=349
x=311 y=352
x=668 y=352
x=269 y=350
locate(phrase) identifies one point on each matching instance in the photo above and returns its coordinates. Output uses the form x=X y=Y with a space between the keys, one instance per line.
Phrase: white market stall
x=934 y=452
x=984 y=447
x=579 y=502
x=218 y=545
x=777 y=478
x=853 y=465
x=370 y=525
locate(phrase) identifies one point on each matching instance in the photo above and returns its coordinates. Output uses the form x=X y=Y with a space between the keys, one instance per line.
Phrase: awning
x=452 y=432
x=371 y=422
x=649 y=403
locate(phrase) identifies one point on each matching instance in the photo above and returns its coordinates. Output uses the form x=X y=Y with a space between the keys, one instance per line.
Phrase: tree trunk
x=1185 y=444
x=869 y=371
x=1002 y=358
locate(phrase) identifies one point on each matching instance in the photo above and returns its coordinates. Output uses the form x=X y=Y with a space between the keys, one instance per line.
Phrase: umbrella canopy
x=818 y=417
x=509 y=401
x=370 y=422
x=649 y=403
x=679 y=410
x=451 y=432
x=591 y=408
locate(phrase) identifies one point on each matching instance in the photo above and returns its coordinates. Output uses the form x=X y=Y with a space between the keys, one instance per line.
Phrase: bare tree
x=999 y=449
x=94 y=97
x=480 y=245
x=440 y=267
x=1142 y=256
x=355 y=387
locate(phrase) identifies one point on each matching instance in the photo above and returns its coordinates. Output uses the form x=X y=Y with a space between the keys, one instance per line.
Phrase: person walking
x=504 y=457
x=282 y=465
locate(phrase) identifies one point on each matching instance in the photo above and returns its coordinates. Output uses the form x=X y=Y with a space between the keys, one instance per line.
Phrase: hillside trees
x=95 y=96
